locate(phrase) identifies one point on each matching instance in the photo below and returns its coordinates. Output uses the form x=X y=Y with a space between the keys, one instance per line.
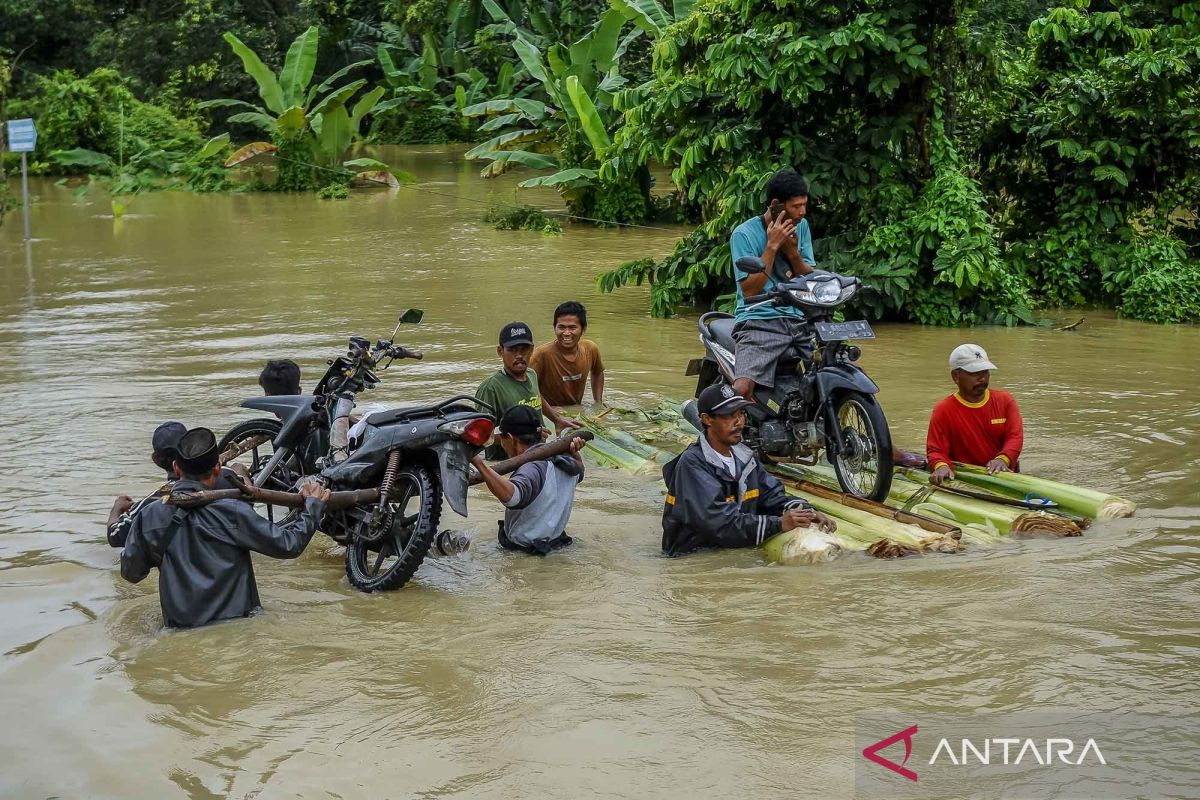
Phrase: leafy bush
x=100 y=113
x=522 y=218
x=421 y=118
x=1165 y=284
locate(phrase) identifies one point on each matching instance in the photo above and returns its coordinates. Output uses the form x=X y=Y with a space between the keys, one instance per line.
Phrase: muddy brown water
x=603 y=671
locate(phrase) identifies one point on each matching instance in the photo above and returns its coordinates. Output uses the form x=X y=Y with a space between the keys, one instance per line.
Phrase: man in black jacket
x=203 y=554
x=163 y=443
x=718 y=494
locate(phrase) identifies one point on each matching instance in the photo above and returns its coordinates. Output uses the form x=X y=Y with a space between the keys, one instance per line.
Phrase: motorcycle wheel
x=389 y=563
x=864 y=465
x=251 y=443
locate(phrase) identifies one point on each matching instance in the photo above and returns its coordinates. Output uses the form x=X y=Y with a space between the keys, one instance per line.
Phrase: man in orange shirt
x=564 y=365
x=975 y=425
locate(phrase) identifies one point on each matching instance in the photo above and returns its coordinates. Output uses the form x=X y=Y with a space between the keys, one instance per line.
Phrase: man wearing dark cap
x=166 y=437
x=203 y=554
x=516 y=384
x=539 y=495
x=718 y=494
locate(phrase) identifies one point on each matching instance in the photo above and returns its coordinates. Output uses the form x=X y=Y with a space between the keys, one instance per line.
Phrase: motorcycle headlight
x=826 y=292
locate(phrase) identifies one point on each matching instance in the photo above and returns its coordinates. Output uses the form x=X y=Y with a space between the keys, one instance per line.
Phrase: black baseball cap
x=515 y=333
x=197 y=451
x=166 y=438
x=521 y=419
x=720 y=400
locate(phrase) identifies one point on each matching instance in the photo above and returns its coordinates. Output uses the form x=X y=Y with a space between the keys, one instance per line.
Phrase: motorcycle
x=416 y=455
x=823 y=401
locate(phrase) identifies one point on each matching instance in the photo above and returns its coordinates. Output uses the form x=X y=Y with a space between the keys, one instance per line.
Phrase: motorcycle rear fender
x=365 y=466
x=838 y=377
x=454 y=459
x=296 y=412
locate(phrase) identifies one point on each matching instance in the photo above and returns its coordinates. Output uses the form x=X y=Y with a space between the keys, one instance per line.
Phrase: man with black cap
x=718 y=494
x=539 y=495
x=163 y=443
x=516 y=384
x=203 y=554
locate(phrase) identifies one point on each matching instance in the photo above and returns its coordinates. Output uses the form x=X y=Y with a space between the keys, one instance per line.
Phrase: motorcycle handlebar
x=404 y=352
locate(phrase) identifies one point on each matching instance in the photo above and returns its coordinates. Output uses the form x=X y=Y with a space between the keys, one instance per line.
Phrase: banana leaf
x=337 y=98
x=298 y=66
x=268 y=86
x=250 y=151
x=263 y=121
x=589 y=118
x=328 y=83
x=570 y=178
x=212 y=147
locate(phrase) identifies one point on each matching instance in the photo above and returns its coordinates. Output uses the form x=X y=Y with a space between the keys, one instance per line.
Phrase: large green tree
x=857 y=96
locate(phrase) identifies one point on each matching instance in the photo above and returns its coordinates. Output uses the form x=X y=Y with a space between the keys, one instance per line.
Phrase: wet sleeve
x=527 y=483
x=278 y=541
x=805 y=245
x=136 y=560
x=487 y=394
x=597 y=361
x=775 y=498
x=1014 y=434
x=702 y=507
x=937 y=440
x=118 y=532
x=740 y=246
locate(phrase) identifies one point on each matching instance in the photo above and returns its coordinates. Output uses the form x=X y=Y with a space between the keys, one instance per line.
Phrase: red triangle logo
x=872 y=753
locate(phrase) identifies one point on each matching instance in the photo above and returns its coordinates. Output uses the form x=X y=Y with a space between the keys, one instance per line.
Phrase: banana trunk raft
x=975 y=509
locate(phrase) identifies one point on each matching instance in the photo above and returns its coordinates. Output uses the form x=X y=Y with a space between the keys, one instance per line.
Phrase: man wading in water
x=516 y=384
x=564 y=365
x=719 y=495
x=975 y=425
x=539 y=495
x=163 y=443
x=203 y=554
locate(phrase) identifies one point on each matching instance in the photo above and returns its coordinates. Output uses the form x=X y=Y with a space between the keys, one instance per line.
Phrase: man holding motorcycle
x=780 y=237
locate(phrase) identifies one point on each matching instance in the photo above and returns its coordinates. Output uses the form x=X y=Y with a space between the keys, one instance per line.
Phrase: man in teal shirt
x=766 y=333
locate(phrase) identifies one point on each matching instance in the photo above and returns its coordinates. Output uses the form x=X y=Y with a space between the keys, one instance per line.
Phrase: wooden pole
x=340 y=500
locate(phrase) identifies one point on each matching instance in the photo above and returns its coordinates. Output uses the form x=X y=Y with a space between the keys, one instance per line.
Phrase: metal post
x=25 y=193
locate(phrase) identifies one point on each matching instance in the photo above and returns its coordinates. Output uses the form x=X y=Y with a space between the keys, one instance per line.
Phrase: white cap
x=970 y=358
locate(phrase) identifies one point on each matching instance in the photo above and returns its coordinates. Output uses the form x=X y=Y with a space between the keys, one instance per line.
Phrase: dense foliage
x=972 y=160
x=966 y=180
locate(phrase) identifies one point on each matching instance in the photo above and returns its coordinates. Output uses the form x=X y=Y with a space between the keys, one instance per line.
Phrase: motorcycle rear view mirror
x=751 y=264
x=410 y=316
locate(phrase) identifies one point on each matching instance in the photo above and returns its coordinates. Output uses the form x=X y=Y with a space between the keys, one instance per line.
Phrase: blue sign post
x=22 y=138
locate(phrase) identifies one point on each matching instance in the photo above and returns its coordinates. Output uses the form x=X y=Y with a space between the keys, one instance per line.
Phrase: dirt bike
x=823 y=401
x=416 y=455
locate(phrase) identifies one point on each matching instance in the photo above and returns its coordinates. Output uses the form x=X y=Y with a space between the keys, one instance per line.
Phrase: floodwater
x=602 y=671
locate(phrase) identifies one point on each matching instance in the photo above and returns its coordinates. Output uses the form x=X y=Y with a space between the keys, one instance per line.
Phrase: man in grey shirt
x=203 y=554
x=539 y=495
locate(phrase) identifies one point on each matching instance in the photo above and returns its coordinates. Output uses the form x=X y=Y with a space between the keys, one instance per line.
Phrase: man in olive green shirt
x=516 y=384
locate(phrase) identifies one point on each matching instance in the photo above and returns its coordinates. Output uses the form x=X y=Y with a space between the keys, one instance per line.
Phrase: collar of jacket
x=741 y=453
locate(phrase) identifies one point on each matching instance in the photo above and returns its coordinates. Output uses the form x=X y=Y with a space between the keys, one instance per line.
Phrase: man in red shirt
x=975 y=425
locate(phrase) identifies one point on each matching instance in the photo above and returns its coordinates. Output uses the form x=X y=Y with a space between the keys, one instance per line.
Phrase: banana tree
x=567 y=132
x=310 y=126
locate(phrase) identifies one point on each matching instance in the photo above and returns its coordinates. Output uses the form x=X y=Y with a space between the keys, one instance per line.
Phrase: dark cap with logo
x=197 y=451
x=720 y=400
x=521 y=419
x=515 y=333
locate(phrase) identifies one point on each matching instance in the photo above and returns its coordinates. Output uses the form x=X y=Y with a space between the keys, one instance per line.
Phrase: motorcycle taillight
x=477 y=432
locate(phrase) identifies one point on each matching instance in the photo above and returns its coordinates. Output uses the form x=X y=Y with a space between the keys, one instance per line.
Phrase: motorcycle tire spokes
x=251 y=444
x=864 y=461
x=386 y=557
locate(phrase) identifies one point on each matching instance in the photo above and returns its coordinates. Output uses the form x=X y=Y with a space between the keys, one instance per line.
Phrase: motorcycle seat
x=405 y=413
x=722 y=332
x=285 y=406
